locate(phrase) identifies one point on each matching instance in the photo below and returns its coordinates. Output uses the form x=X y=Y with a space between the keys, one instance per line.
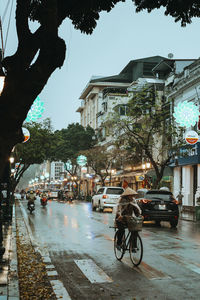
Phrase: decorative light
x=186 y=114
x=81 y=160
x=35 y=111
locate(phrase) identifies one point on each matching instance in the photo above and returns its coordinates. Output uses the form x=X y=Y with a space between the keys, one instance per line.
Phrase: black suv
x=159 y=205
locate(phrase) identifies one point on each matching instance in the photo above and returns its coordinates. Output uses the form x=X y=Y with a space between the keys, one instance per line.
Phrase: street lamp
x=145 y=167
x=2 y=74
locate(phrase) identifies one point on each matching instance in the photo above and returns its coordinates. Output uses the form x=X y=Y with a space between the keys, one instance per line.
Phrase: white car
x=106 y=197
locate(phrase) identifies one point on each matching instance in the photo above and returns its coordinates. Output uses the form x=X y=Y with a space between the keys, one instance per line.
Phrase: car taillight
x=175 y=201
x=145 y=201
x=105 y=196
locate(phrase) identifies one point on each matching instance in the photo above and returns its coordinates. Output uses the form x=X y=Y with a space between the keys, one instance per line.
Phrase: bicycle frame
x=126 y=242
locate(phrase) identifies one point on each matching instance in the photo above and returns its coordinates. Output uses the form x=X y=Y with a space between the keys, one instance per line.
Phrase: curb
x=13 y=282
x=9 y=275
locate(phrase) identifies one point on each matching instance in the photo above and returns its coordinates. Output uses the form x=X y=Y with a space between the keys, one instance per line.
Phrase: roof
x=129 y=66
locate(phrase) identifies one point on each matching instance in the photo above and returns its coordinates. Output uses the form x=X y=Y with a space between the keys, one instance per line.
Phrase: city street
x=77 y=248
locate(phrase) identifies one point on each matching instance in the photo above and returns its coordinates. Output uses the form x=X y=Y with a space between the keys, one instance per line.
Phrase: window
x=123 y=110
x=105 y=106
x=100 y=191
x=116 y=191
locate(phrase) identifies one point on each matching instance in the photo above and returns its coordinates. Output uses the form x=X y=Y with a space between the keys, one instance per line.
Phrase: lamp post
x=2 y=74
x=2 y=249
x=145 y=167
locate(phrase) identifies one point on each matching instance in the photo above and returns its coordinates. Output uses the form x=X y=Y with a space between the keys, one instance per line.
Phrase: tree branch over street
x=41 y=52
x=149 y=129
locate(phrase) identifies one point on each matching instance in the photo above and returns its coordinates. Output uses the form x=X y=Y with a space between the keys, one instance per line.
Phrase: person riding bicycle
x=31 y=198
x=127 y=206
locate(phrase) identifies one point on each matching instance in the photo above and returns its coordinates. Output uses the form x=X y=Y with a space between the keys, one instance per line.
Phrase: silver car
x=106 y=197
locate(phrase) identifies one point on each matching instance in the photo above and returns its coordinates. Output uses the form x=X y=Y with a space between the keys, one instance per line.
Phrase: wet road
x=77 y=244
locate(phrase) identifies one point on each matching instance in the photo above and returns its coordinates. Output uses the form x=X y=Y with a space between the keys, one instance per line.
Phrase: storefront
x=186 y=169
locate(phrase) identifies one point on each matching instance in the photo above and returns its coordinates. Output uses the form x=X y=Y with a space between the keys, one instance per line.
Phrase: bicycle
x=135 y=247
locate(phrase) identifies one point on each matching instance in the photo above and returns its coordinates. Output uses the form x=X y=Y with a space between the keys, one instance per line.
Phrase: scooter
x=31 y=207
x=43 y=201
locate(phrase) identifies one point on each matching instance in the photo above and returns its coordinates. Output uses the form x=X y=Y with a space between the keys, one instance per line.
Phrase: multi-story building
x=104 y=94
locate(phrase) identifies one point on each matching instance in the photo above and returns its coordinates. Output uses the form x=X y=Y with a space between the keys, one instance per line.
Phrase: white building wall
x=177 y=181
x=197 y=195
x=187 y=189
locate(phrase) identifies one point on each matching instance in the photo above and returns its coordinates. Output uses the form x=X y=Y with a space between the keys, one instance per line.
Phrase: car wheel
x=157 y=223
x=100 y=208
x=174 y=223
x=93 y=207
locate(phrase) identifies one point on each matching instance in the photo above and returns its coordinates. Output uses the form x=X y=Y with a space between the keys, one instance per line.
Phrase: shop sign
x=191 y=137
x=139 y=177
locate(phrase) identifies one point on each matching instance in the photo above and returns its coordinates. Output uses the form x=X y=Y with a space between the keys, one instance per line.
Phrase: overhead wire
x=2 y=45
x=5 y=11
x=8 y=25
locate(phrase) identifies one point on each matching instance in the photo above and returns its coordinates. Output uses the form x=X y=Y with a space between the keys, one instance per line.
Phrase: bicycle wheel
x=119 y=253
x=136 y=254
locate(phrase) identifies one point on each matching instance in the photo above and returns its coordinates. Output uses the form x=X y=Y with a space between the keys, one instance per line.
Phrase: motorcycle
x=31 y=207
x=43 y=201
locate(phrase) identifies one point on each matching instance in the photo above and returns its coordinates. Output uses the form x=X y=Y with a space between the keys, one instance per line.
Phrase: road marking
x=92 y=271
x=52 y=273
x=60 y=290
x=195 y=267
x=146 y=270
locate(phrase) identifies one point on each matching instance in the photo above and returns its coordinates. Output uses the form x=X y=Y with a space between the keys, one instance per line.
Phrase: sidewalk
x=9 y=285
x=24 y=272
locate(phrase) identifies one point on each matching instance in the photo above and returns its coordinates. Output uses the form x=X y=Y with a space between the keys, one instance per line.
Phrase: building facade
x=186 y=87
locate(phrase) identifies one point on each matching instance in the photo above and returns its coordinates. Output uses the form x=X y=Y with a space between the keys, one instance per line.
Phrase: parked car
x=106 y=197
x=159 y=205
x=141 y=193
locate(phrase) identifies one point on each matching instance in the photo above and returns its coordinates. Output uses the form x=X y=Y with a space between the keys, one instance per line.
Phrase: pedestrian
x=180 y=201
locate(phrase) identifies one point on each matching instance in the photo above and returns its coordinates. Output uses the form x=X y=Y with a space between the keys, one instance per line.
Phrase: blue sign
x=189 y=155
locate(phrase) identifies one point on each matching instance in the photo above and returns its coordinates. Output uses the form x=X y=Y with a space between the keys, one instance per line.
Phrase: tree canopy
x=70 y=142
x=35 y=151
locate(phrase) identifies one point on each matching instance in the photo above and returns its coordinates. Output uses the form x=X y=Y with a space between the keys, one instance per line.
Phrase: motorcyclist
x=31 y=198
x=43 y=197
x=22 y=194
x=127 y=206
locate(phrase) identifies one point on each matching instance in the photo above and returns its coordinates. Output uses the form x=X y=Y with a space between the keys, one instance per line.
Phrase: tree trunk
x=25 y=79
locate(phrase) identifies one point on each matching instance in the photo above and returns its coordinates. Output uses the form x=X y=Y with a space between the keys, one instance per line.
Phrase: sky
x=120 y=36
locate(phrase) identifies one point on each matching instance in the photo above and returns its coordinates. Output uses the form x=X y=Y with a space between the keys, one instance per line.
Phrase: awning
x=131 y=174
x=167 y=172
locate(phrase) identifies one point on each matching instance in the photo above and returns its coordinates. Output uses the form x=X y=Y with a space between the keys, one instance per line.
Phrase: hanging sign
x=26 y=134
x=191 y=137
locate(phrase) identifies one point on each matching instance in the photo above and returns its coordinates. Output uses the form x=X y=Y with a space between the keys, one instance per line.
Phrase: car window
x=166 y=197
x=114 y=191
x=100 y=191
